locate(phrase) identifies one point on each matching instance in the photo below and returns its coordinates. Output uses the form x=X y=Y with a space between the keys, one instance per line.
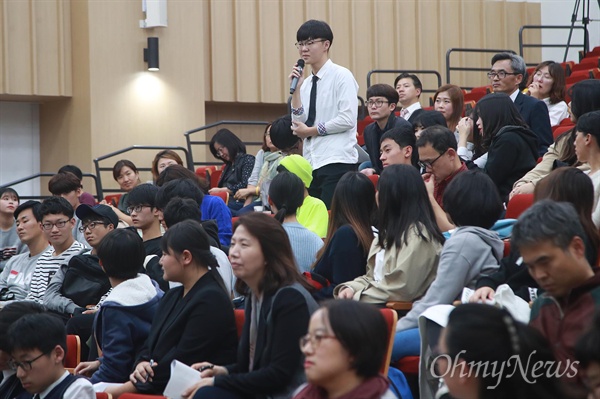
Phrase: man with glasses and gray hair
x=507 y=75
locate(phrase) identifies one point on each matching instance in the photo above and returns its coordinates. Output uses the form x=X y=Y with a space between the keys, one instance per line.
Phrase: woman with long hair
x=162 y=160
x=402 y=261
x=286 y=194
x=522 y=359
x=511 y=146
x=228 y=147
x=180 y=330
x=449 y=100
x=349 y=236
x=547 y=83
x=278 y=309
x=337 y=363
x=585 y=97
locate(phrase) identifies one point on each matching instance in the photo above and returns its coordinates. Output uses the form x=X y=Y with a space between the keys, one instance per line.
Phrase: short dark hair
x=143 y=194
x=56 y=206
x=547 y=221
x=13 y=312
x=404 y=136
x=282 y=135
x=180 y=209
x=314 y=29
x=120 y=165
x=287 y=193
x=122 y=254
x=229 y=140
x=415 y=79
x=63 y=183
x=27 y=333
x=429 y=118
x=439 y=137
x=558 y=89
x=35 y=207
x=472 y=199
x=73 y=169
x=585 y=97
x=9 y=190
x=174 y=172
x=590 y=124
x=517 y=63
x=355 y=323
x=183 y=188
x=383 y=90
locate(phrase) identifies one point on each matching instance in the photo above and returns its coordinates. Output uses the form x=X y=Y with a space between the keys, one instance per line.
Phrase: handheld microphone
x=295 y=79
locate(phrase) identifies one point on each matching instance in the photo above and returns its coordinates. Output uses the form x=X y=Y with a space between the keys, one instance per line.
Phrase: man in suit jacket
x=506 y=76
x=409 y=90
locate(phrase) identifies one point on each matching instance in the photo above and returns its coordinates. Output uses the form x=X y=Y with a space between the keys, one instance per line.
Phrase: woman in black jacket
x=511 y=145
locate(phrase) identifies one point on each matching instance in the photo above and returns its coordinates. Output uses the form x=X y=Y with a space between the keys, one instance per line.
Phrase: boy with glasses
x=324 y=110
x=68 y=186
x=38 y=345
x=57 y=224
x=145 y=216
x=97 y=222
x=16 y=276
x=9 y=241
x=381 y=104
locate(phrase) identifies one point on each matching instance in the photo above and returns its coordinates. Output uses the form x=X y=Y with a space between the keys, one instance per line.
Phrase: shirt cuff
x=321 y=129
x=298 y=111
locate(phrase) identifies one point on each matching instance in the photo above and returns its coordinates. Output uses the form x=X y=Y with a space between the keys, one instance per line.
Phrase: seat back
x=224 y=195
x=374 y=179
x=391 y=318
x=113 y=198
x=240 y=316
x=517 y=205
x=103 y=395
x=214 y=178
x=73 y=356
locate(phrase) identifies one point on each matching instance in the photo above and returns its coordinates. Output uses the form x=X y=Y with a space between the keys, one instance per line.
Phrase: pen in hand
x=209 y=367
x=151 y=365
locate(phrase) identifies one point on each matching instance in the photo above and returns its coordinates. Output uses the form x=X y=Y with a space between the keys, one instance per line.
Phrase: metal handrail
x=99 y=169
x=414 y=71
x=48 y=174
x=566 y=46
x=468 y=69
x=211 y=125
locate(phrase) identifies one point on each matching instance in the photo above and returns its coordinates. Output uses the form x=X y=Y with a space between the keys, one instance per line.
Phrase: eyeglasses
x=26 y=365
x=59 y=224
x=219 y=151
x=500 y=74
x=307 y=43
x=314 y=339
x=540 y=75
x=91 y=226
x=429 y=164
x=137 y=208
x=376 y=103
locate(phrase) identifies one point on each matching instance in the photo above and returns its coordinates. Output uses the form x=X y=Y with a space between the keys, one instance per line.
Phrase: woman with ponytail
x=286 y=194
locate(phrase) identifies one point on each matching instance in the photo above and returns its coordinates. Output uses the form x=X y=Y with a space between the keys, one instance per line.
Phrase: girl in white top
x=547 y=83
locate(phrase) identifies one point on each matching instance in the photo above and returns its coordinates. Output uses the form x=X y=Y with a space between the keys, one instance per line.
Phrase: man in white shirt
x=38 y=345
x=409 y=90
x=324 y=110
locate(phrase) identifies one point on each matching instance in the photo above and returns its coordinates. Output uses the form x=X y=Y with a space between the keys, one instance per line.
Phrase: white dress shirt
x=335 y=118
x=411 y=109
x=557 y=112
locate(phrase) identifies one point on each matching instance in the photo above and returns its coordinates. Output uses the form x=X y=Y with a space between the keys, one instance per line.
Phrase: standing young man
x=324 y=110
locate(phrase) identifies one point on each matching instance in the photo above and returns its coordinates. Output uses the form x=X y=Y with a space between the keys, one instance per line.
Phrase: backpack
x=85 y=282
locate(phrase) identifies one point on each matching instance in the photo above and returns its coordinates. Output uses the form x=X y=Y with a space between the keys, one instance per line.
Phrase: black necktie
x=312 y=108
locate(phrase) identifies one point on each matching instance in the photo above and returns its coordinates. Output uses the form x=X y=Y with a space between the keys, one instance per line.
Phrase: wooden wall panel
x=223 y=51
x=17 y=32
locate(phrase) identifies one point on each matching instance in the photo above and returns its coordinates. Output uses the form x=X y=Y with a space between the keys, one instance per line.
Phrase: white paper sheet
x=182 y=377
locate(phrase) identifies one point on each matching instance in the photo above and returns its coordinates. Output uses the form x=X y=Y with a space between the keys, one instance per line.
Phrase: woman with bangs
x=449 y=100
x=547 y=83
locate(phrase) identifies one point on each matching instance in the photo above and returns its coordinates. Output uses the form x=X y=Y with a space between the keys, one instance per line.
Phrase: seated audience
x=350 y=234
x=409 y=90
x=337 y=363
x=278 y=309
x=122 y=324
x=398 y=146
x=585 y=97
x=587 y=148
x=547 y=83
x=68 y=186
x=472 y=251
x=16 y=276
x=485 y=335
x=84 y=198
x=10 y=245
x=427 y=119
x=193 y=321
x=213 y=208
x=510 y=145
x=127 y=176
x=38 y=345
x=552 y=243
x=81 y=282
x=286 y=194
x=449 y=100
x=162 y=160
x=469 y=141
x=382 y=100
x=10 y=386
x=57 y=224
x=587 y=352
x=403 y=259
x=228 y=147
x=313 y=213
x=144 y=216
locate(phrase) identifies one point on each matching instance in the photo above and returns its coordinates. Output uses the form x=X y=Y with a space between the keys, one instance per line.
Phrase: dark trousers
x=215 y=393
x=82 y=325
x=326 y=178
